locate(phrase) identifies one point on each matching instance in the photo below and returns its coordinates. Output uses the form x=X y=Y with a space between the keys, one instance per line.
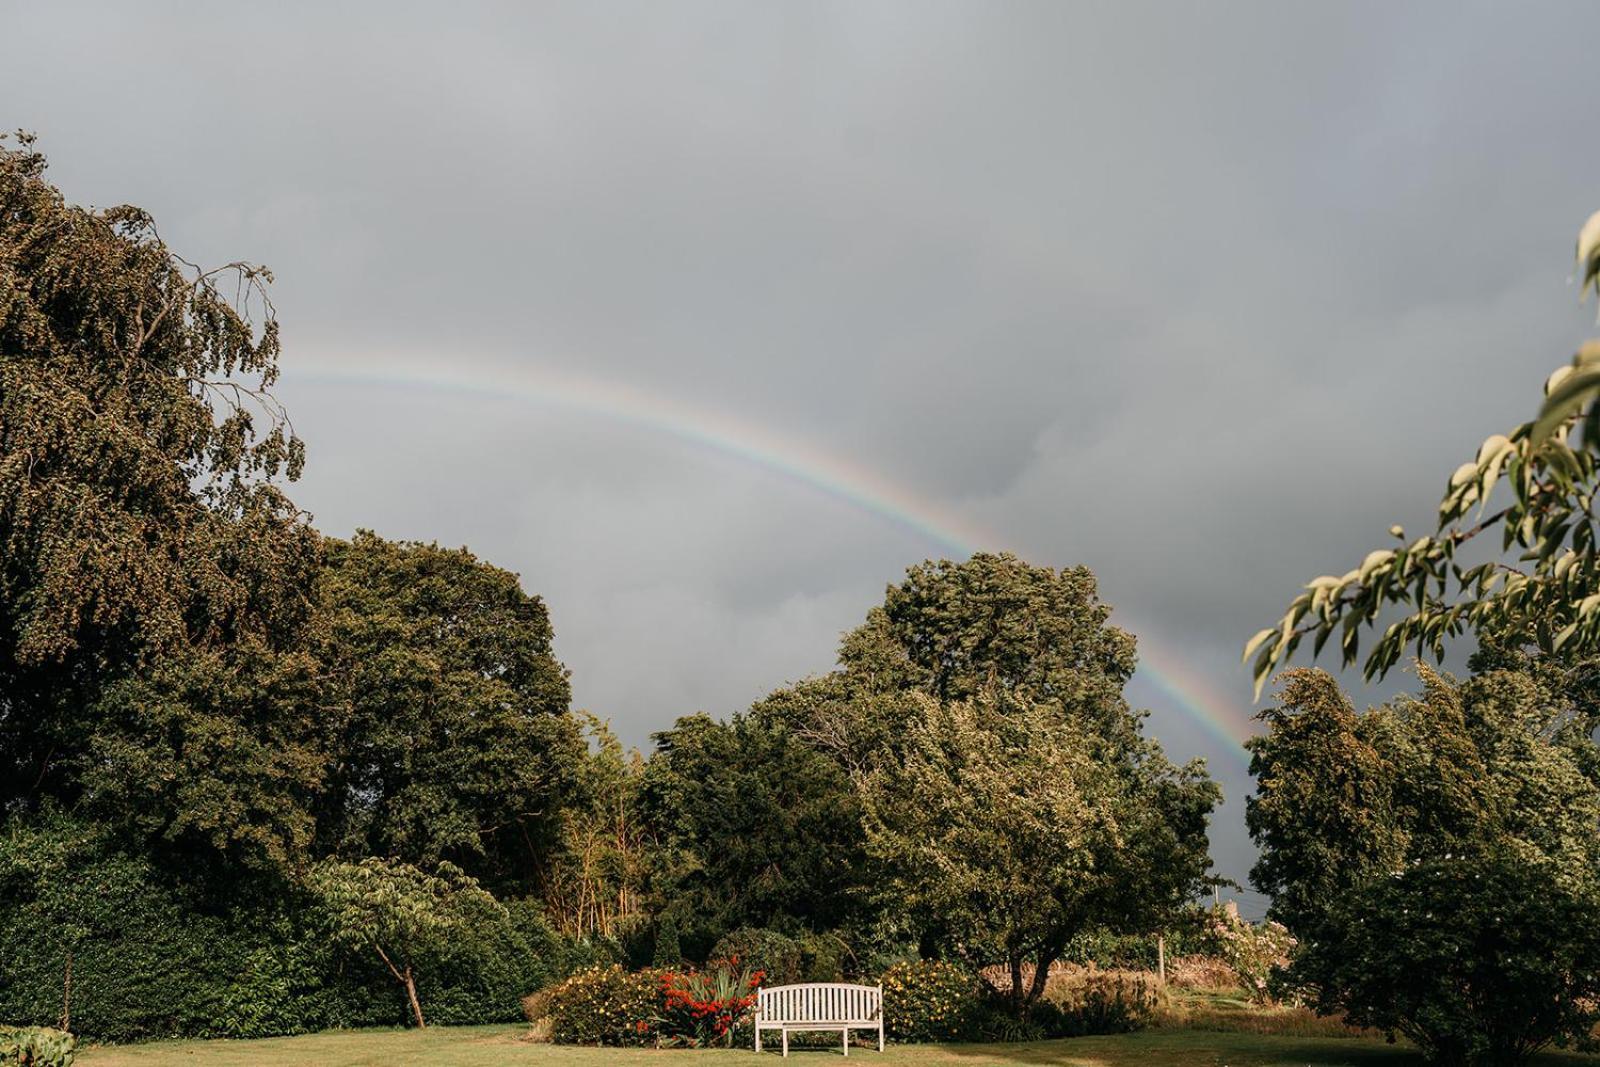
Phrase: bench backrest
x=820 y=1002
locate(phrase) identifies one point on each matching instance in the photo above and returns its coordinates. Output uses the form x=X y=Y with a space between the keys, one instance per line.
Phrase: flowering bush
x=701 y=1008
x=929 y=1000
x=602 y=1006
x=1256 y=952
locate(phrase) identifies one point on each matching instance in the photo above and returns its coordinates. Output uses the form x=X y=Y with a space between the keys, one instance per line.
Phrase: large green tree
x=1003 y=830
x=145 y=546
x=1515 y=558
x=446 y=719
x=756 y=827
x=767 y=812
x=995 y=622
x=1436 y=858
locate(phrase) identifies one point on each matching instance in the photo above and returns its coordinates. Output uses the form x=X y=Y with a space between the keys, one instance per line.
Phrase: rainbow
x=1217 y=715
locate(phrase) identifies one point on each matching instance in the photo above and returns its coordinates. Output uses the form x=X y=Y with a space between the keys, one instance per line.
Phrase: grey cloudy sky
x=1202 y=296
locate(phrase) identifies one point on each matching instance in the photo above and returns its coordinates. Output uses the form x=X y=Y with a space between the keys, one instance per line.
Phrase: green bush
x=825 y=958
x=776 y=955
x=100 y=939
x=929 y=1000
x=36 y=1046
x=601 y=1006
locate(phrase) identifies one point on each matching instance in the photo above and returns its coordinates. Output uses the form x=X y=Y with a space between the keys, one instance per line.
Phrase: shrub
x=602 y=1006
x=702 y=1008
x=1256 y=952
x=99 y=938
x=36 y=1046
x=776 y=955
x=1082 y=1001
x=929 y=1000
x=824 y=958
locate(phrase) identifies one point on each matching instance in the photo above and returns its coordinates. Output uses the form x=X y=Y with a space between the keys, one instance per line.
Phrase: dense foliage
x=446 y=710
x=1437 y=859
x=1004 y=831
x=602 y=1006
x=930 y=1000
x=755 y=830
x=779 y=957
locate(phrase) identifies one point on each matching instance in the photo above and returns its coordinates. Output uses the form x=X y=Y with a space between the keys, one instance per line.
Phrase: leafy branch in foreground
x=1531 y=575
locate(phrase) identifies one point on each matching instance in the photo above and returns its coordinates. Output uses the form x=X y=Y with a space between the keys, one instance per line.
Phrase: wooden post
x=1161 y=957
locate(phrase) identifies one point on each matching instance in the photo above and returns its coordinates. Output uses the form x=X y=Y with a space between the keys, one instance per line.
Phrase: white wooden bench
x=820 y=1006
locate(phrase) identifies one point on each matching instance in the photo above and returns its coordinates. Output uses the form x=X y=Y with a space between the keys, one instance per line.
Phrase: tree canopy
x=147 y=553
x=446 y=726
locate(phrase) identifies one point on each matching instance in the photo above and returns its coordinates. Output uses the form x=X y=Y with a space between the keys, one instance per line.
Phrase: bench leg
x=846 y=1032
x=785 y=1042
x=880 y=1037
x=758 y=1039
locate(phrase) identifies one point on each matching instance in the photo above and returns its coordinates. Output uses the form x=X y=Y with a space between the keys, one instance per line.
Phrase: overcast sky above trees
x=1202 y=296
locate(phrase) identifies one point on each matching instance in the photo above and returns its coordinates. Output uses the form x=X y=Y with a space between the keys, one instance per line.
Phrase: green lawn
x=503 y=1046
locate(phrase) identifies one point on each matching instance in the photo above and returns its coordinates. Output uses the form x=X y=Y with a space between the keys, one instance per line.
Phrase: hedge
x=148 y=958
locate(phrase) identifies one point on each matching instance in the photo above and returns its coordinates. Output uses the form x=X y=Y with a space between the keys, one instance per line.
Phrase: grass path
x=503 y=1046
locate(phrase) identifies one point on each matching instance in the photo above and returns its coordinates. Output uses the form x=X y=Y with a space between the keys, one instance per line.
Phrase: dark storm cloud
x=1202 y=296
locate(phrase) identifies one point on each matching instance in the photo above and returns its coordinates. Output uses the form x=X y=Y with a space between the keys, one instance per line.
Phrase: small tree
x=668 y=953
x=1006 y=830
x=402 y=913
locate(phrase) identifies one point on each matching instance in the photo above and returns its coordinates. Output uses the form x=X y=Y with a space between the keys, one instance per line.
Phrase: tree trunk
x=1018 y=1004
x=404 y=978
x=1041 y=973
x=411 y=995
x=66 y=995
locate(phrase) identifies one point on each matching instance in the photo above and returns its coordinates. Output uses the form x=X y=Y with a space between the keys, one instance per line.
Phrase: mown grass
x=505 y=1046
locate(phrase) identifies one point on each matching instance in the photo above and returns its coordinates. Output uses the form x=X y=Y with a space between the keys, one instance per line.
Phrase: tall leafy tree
x=1436 y=858
x=757 y=829
x=144 y=542
x=1004 y=830
x=1515 y=558
x=448 y=735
